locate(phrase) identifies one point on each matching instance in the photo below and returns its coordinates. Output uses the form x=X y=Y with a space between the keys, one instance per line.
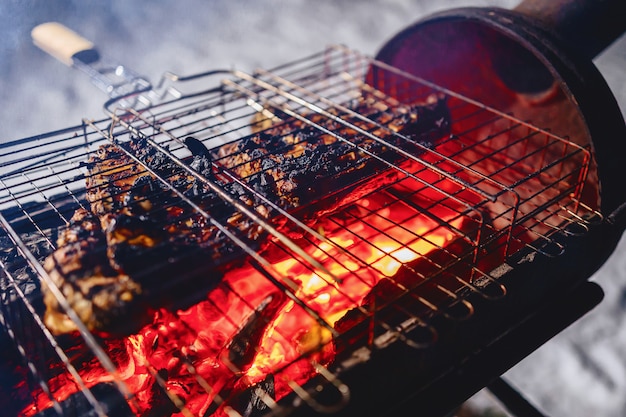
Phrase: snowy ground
x=580 y=373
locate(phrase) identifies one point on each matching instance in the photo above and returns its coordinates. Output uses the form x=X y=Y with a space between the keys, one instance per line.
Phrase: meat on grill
x=143 y=242
x=82 y=252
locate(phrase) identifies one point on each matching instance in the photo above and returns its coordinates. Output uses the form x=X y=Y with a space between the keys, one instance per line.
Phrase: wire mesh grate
x=291 y=208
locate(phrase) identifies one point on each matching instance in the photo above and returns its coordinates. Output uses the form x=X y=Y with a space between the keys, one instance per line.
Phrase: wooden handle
x=60 y=42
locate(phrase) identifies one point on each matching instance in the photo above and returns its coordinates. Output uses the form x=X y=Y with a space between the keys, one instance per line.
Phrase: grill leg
x=512 y=400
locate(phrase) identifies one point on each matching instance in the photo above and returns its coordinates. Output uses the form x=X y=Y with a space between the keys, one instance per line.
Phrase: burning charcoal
x=241 y=351
x=160 y=403
x=392 y=298
x=243 y=346
x=107 y=395
x=251 y=403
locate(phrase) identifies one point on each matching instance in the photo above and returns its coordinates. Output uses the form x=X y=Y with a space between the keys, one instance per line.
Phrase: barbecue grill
x=403 y=287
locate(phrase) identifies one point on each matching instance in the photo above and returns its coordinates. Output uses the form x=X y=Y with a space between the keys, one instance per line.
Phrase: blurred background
x=580 y=373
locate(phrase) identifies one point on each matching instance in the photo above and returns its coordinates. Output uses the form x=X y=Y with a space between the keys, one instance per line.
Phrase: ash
x=580 y=373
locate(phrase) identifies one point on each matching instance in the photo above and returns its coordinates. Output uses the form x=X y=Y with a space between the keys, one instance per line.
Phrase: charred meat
x=154 y=228
x=296 y=163
x=97 y=292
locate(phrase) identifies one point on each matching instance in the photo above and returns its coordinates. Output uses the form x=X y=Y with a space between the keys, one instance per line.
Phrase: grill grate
x=410 y=240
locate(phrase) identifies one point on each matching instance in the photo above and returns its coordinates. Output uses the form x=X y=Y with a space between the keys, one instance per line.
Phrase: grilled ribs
x=143 y=241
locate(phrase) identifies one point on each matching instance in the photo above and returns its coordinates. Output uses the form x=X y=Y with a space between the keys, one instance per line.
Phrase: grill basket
x=448 y=221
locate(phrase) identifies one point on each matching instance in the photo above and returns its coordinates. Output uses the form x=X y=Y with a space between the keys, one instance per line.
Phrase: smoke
x=181 y=36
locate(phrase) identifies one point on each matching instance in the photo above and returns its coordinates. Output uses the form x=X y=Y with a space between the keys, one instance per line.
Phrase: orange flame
x=185 y=350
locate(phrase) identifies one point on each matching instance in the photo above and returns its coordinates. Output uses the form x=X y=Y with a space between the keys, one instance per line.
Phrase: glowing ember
x=199 y=354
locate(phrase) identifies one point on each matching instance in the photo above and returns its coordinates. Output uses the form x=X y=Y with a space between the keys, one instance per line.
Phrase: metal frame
x=528 y=200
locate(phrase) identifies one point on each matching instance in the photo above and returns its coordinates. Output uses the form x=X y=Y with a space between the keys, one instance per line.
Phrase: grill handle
x=64 y=44
x=587 y=26
x=75 y=51
x=125 y=87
